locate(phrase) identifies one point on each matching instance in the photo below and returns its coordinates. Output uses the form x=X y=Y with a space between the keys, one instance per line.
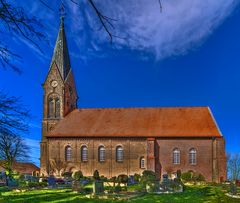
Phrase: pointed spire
x=61 y=54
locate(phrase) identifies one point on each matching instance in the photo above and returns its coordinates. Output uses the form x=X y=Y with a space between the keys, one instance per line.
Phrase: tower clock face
x=54 y=83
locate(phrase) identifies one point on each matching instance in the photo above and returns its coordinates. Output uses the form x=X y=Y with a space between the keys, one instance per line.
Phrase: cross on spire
x=62 y=10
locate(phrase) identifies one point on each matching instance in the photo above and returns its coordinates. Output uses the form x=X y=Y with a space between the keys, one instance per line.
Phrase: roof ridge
x=145 y=107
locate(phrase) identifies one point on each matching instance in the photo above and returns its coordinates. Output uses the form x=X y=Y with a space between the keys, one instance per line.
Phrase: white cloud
x=181 y=26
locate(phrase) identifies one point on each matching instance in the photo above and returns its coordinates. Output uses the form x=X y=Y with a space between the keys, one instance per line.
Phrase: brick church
x=123 y=140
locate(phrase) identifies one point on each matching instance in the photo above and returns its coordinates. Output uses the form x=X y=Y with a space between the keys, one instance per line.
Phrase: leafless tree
x=233 y=162
x=13 y=118
x=12 y=149
x=57 y=165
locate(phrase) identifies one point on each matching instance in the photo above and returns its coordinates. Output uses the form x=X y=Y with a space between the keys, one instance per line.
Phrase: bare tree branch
x=45 y=4
x=12 y=150
x=76 y=3
x=57 y=165
x=233 y=161
x=103 y=20
x=160 y=5
x=13 y=115
x=16 y=22
x=6 y=57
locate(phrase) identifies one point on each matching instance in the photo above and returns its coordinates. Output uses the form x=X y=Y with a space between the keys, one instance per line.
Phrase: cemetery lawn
x=194 y=194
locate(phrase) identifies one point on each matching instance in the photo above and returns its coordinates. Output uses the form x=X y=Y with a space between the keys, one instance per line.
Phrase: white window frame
x=101 y=154
x=68 y=153
x=142 y=162
x=84 y=153
x=193 y=156
x=176 y=156
x=119 y=154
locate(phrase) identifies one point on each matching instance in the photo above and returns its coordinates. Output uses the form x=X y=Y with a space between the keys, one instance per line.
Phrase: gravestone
x=51 y=181
x=2 y=178
x=168 y=185
x=165 y=178
x=98 y=187
x=165 y=183
x=77 y=186
x=233 y=188
x=12 y=182
x=131 y=180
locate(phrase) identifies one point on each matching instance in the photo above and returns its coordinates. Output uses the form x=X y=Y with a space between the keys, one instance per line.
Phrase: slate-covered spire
x=61 y=55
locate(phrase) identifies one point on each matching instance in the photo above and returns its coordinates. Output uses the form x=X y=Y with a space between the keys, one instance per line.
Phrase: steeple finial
x=62 y=12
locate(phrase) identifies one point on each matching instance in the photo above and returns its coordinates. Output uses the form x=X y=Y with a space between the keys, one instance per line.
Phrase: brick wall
x=205 y=157
x=134 y=149
x=211 y=160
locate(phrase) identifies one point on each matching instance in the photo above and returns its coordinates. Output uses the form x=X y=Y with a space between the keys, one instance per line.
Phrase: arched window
x=68 y=153
x=57 y=107
x=142 y=162
x=119 y=154
x=84 y=153
x=176 y=156
x=192 y=156
x=101 y=154
x=50 y=108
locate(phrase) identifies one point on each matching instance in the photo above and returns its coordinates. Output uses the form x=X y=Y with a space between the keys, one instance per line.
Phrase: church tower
x=60 y=96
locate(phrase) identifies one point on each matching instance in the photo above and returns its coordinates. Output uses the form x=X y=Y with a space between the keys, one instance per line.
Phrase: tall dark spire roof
x=61 y=55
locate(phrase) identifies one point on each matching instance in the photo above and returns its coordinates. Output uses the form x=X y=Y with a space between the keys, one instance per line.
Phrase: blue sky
x=187 y=56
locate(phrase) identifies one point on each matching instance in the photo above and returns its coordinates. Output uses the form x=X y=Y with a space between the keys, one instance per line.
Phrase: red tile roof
x=23 y=168
x=138 y=122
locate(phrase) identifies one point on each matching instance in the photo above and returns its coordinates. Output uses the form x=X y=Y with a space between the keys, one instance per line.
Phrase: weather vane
x=62 y=10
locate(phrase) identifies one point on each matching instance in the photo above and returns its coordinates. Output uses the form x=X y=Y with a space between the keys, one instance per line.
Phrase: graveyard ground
x=197 y=194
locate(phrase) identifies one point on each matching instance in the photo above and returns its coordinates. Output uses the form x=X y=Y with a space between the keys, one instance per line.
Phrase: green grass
x=133 y=188
x=89 y=185
x=192 y=194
